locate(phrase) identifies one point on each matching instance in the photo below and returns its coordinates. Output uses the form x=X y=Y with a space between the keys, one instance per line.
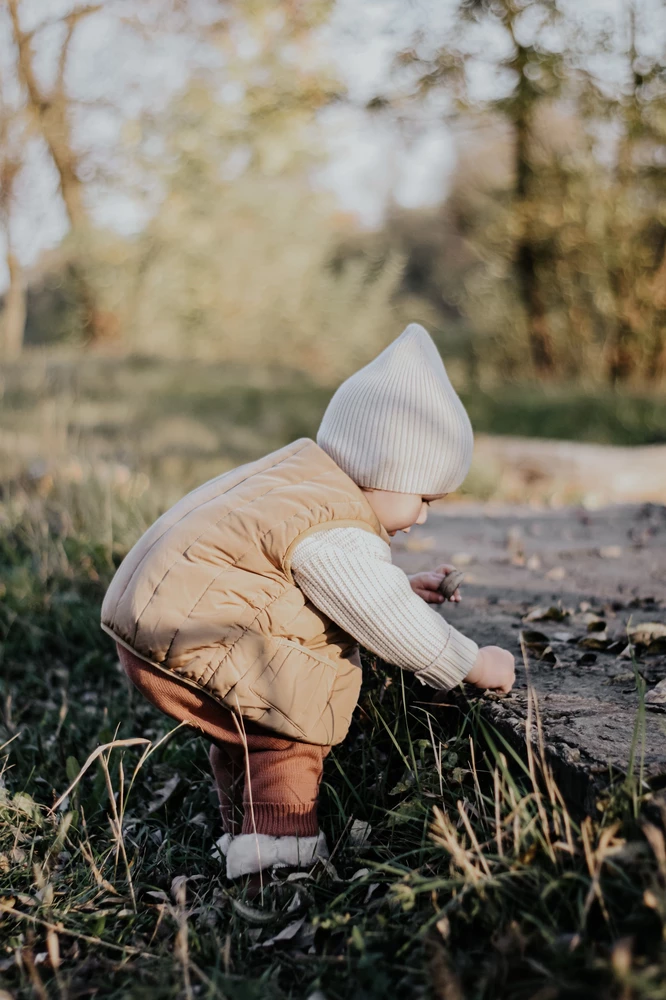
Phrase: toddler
x=241 y=609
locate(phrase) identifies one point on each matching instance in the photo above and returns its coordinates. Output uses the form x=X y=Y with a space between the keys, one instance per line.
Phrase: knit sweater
x=347 y=573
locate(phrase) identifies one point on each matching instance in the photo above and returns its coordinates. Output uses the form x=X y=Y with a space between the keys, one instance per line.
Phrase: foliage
x=150 y=428
x=545 y=261
x=558 y=207
x=119 y=894
x=242 y=267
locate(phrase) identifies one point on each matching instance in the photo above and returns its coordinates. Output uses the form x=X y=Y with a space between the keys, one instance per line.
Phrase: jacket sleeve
x=347 y=573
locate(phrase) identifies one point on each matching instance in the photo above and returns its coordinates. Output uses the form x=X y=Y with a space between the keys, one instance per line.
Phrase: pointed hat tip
x=418 y=342
x=414 y=330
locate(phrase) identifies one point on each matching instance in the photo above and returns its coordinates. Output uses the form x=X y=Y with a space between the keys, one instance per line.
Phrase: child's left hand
x=426 y=585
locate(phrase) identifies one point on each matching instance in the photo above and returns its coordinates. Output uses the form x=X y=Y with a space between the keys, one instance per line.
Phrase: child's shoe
x=253 y=852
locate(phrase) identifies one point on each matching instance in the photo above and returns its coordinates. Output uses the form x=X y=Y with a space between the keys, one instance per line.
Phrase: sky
x=370 y=159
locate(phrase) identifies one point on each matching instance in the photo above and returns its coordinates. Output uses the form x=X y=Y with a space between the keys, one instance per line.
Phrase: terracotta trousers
x=265 y=784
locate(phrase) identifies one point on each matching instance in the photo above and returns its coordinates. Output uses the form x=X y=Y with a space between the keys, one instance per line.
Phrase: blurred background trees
x=545 y=258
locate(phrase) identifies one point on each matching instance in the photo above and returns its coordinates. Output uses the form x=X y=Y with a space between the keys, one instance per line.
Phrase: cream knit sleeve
x=347 y=573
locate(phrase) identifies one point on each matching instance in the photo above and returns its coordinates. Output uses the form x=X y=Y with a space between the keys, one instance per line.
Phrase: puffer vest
x=207 y=594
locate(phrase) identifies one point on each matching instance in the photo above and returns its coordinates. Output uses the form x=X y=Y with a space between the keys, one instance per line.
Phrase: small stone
x=534 y=562
x=610 y=552
x=450 y=583
x=556 y=573
x=462 y=559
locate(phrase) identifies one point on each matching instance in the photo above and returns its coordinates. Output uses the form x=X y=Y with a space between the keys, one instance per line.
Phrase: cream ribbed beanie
x=398 y=424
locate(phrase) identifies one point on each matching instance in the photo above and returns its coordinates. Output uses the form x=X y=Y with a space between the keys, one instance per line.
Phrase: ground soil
x=608 y=563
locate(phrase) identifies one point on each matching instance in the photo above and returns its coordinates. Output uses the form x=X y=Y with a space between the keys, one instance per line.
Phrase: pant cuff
x=281 y=819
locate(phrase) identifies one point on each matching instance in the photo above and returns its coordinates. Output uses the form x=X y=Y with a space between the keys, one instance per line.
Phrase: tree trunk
x=14 y=311
x=50 y=113
x=526 y=254
x=656 y=370
x=623 y=350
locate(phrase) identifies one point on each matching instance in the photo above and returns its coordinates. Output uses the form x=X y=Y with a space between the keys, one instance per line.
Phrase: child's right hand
x=494 y=669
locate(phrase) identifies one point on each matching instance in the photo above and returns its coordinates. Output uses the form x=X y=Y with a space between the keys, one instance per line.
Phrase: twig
x=117 y=829
x=240 y=726
x=472 y=837
x=498 y=814
x=11 y=912
x=181 y=949
x=91 y=760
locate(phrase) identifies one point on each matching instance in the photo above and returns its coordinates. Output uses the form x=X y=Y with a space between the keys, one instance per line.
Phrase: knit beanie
x=398 y=424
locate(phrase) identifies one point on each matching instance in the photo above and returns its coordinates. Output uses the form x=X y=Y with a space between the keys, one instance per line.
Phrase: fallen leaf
x=533 y=638
x=329 y=868
x=646 y=632
x=443 y=925
x=371 y=889
x=535 y=642
x=359 y=833
x=253 y=916
x=178 y=885
x=547 y=614
x=163 y=793
x=407 y=781
x=596 y=641
x=657 y=696
x=286 y=934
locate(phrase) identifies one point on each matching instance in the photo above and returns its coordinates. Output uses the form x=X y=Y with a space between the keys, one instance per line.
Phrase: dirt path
x=604 y=570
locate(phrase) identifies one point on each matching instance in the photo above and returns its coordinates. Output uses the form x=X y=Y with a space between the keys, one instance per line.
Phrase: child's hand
x=426 y=585
x=494 y=669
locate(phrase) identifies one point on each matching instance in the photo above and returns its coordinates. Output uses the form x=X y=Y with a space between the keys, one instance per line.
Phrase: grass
x=475 y=882
x=170 y=425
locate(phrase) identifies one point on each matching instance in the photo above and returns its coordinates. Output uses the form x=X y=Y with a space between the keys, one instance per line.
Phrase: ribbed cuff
x=278 y=819
x=453 y=664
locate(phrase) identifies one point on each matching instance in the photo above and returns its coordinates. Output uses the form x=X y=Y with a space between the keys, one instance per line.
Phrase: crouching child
x=240 y=611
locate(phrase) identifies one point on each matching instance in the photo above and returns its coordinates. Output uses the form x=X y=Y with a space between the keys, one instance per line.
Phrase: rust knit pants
x=265 y=784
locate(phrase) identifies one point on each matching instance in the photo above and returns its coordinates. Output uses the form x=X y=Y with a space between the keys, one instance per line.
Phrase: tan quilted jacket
x=207 y=594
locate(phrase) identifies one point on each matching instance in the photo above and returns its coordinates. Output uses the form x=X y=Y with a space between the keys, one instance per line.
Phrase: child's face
x=399 y=511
